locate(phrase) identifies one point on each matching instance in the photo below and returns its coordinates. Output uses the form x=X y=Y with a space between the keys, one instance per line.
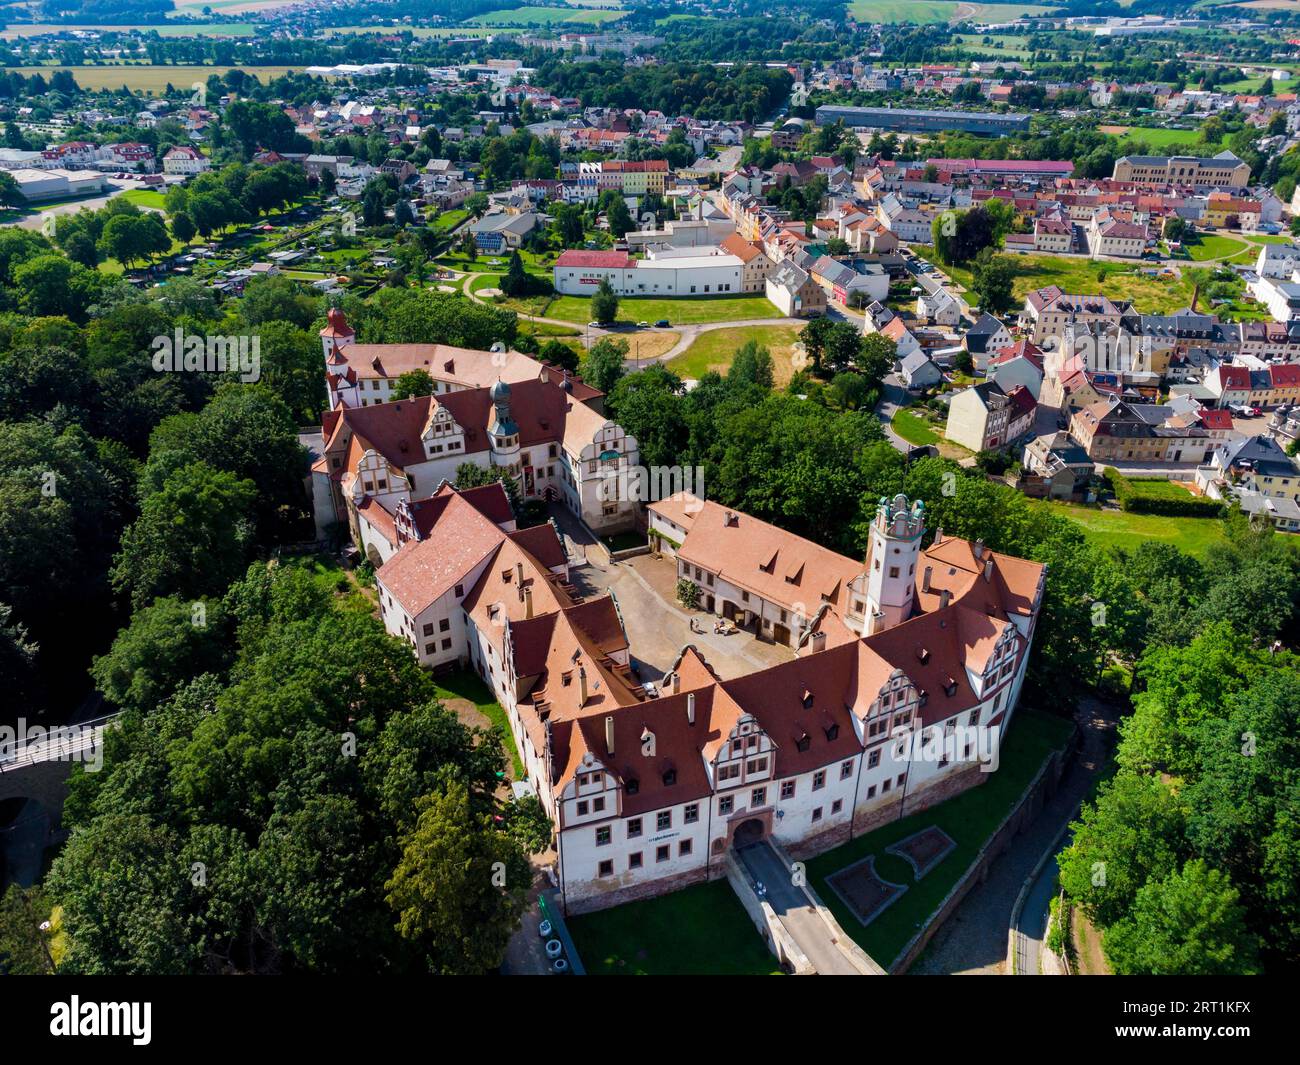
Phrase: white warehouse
x=664 y=272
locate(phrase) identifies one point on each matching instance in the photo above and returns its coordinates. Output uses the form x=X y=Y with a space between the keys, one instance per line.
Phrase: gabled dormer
x=896 y=706
x=374 y=476
x=442 y=434
x=746 y=755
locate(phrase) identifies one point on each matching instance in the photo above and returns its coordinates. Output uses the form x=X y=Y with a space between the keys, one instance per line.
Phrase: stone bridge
x=38 y=766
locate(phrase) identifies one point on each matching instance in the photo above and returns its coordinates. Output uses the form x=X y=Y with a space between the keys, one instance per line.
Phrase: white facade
x=665 y=272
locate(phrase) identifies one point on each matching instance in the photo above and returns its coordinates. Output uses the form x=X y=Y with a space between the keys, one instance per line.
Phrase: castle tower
x=503 y=431
x=892 y=553
x=336 y=335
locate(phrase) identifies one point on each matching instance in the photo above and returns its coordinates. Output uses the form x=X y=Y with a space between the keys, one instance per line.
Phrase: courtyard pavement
x=658 y=627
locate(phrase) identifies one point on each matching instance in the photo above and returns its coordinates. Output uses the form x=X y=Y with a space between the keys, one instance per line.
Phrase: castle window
x=606 y=868
x=634 y=828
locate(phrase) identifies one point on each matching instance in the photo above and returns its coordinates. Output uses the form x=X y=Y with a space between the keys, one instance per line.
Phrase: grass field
x=1212 y=246
x=179 y=29
x=421 y=31
x=1155 y=137
x=147 y=78
x=913 y=429
x=1106 y=528
x=925 y=11
x=969 y=819
x=715 y=349
x=144 y=198
x=465 y=685
x=1008 y=45
x=546 y=16
x=698 y=931
x=678 y=311
x=1151 y=295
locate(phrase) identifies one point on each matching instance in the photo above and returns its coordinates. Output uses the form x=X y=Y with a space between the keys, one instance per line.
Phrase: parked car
x=643 y=325
x=662 y=323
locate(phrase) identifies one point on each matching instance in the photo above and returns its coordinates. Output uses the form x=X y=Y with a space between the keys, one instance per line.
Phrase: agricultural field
x=547 y=16
x=148 y=78
x=714 y=350
x=922 y=11
x=420 y=31
x=176 y=29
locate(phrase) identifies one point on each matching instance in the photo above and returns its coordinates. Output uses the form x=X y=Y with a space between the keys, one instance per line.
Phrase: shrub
x=688 y=594
x=1152 y=496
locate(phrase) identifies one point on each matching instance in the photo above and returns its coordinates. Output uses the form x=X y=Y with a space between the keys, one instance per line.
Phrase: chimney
x=528 y=602
x=938 y=534
x=818 y=641
x=944 y=596
x=690 y=708
x=677 y=683
x=988 y=568
x=979 y=549
x=519 y=573
x=609 y=729
x=582 y=692
x=925 y=578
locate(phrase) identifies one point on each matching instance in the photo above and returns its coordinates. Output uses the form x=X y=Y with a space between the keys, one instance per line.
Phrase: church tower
x=892 y=553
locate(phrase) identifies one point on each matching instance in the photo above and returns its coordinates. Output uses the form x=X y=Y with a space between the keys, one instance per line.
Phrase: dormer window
x=832 y=731
x=949 y=687
x=632 y=785
x=670 y=777
x=802 y=742
x=807 y=699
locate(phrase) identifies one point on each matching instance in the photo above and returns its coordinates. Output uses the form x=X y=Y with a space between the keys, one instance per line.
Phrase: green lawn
x=715 y=349
x=1129 y=531
x=449 y=220
x=969 y=819
x=698 y=931
x=1119 y=281
x=144 y=198
x=913 y=429
x=1154 y=137
x=679 y=311
x=465 y=685
x=1212 y=246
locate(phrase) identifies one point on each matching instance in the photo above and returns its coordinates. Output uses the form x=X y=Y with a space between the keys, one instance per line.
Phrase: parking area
x=659 y=628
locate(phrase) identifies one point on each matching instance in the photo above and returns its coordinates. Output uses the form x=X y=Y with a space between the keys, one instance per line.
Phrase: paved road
x=791 y=905
x=974 y=939
x=1032 y=926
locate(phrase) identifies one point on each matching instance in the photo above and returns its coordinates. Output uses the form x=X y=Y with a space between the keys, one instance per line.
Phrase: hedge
x=1135 y=499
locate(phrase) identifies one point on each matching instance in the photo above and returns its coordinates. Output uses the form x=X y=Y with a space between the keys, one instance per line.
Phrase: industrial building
x=908 y=120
